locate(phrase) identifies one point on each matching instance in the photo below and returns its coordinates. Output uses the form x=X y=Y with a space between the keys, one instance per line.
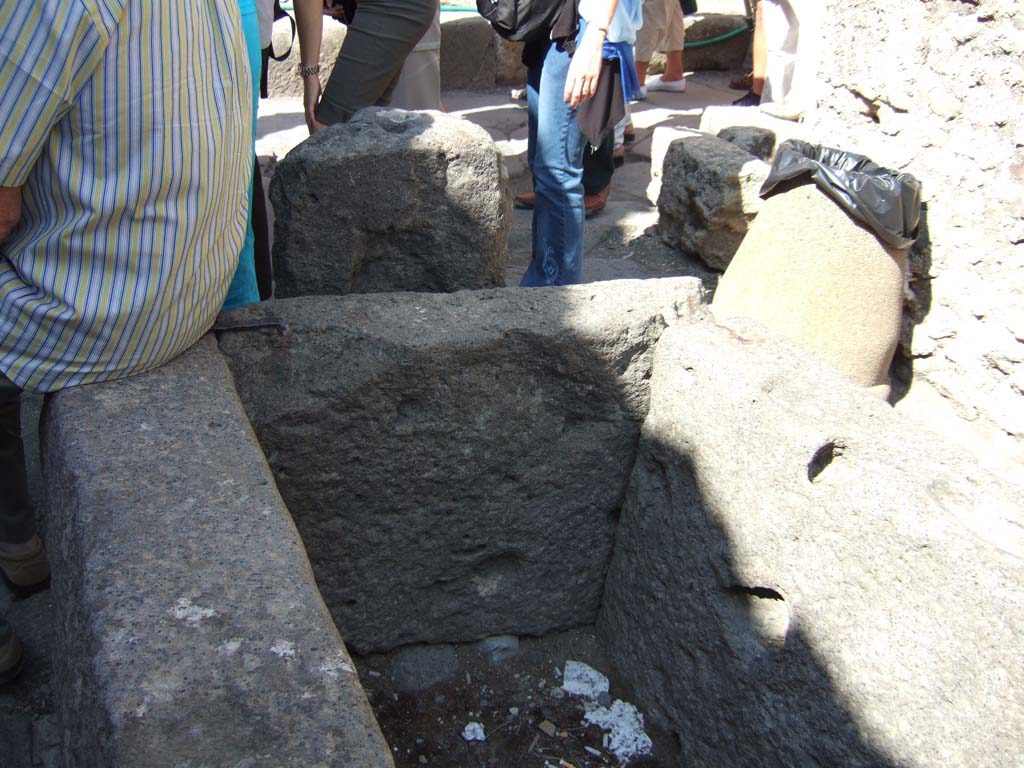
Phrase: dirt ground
x=528 y=720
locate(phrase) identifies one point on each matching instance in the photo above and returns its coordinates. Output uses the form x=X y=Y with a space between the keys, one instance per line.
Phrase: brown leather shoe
x=594 y=204
x=591 y=203
x=526 y=201
x=743 y=82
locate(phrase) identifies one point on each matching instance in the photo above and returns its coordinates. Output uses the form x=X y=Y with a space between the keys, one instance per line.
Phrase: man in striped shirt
x=125 y=160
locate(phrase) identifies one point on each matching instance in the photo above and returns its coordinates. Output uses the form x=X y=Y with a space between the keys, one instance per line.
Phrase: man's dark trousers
x=16 y=523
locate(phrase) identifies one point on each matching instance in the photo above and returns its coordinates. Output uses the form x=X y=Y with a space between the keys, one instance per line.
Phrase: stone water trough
x=784 y=570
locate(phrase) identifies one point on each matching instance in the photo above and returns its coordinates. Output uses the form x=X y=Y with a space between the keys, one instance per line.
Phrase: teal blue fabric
x=244 y=289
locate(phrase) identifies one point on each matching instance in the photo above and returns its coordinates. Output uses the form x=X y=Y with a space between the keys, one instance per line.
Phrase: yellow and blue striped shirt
x=127 y=124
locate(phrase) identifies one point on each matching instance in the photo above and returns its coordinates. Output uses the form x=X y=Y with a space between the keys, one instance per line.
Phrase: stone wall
x=803 y=577
x=936 y=88
x=455 y=462
x=189 y=631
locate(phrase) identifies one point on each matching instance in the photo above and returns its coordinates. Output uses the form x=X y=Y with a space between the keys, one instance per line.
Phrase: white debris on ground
x=580 y=679
x=624 y=724
x=473 y=732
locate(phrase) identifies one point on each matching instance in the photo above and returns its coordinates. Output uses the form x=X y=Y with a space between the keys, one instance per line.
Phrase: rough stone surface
x=801 y=577
x=391 y=200
x=508 y=65
x=760 y=142
x=455 y=463
x=418 y=667
x=661 y=139
x=709 y=196
x=728 y=54
x=714 y=120
x=499 y=648
x=809 y=271
x=942 y=96
x=468 y=53
x=191 y=631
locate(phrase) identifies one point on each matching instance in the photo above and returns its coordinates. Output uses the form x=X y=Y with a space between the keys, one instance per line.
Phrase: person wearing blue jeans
x=555 y=156
x=563 y=72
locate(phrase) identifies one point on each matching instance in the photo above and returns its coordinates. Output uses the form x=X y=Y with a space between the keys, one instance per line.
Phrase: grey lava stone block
x=803 y=577
x=391 y=201
x=455 y=463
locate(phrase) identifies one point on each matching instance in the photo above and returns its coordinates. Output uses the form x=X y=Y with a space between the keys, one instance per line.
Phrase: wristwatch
x=313 y=71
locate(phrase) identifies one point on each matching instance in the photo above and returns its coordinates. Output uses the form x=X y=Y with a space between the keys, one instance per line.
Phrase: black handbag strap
x=268 y=52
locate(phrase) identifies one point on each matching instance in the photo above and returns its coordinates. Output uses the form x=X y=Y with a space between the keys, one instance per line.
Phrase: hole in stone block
x=765 y=612
x=823 y=459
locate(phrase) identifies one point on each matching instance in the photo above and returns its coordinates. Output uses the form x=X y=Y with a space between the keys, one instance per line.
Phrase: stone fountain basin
x=783 y=568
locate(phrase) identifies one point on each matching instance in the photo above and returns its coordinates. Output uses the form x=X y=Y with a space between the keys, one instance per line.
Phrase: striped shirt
x=127 y=123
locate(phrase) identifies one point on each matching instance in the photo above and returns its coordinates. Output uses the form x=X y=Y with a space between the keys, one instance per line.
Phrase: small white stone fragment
x=594 y=752
x=473 y=732
x=334 y=666
x=624 y=724
x=231 y=646
x=285 y=649
x=185 y=610
x=580 y=679
x=513 y=711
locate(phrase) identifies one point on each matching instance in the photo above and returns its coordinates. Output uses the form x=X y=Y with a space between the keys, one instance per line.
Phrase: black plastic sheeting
x=887 y=201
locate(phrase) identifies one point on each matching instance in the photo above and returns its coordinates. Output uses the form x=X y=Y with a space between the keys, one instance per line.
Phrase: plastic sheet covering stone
x=887 y=201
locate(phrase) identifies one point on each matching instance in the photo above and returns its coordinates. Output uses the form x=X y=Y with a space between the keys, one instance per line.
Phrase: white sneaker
x=656 y=83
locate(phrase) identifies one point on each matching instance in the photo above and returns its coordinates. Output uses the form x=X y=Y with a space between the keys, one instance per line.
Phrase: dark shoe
x=750 y=99
x=12 y=659
x=594 y=204
x=619 y=156
x=629 y=134
x=743 y=82
x=591 y=203
x=526 y=201
x=25 y=565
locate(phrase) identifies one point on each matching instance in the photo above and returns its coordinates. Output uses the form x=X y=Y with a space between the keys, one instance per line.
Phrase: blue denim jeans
x=555 y=154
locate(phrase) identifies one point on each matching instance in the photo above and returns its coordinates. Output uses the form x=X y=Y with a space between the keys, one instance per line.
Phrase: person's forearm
x=10 y=210
x=585 y=68
x=309 y=23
